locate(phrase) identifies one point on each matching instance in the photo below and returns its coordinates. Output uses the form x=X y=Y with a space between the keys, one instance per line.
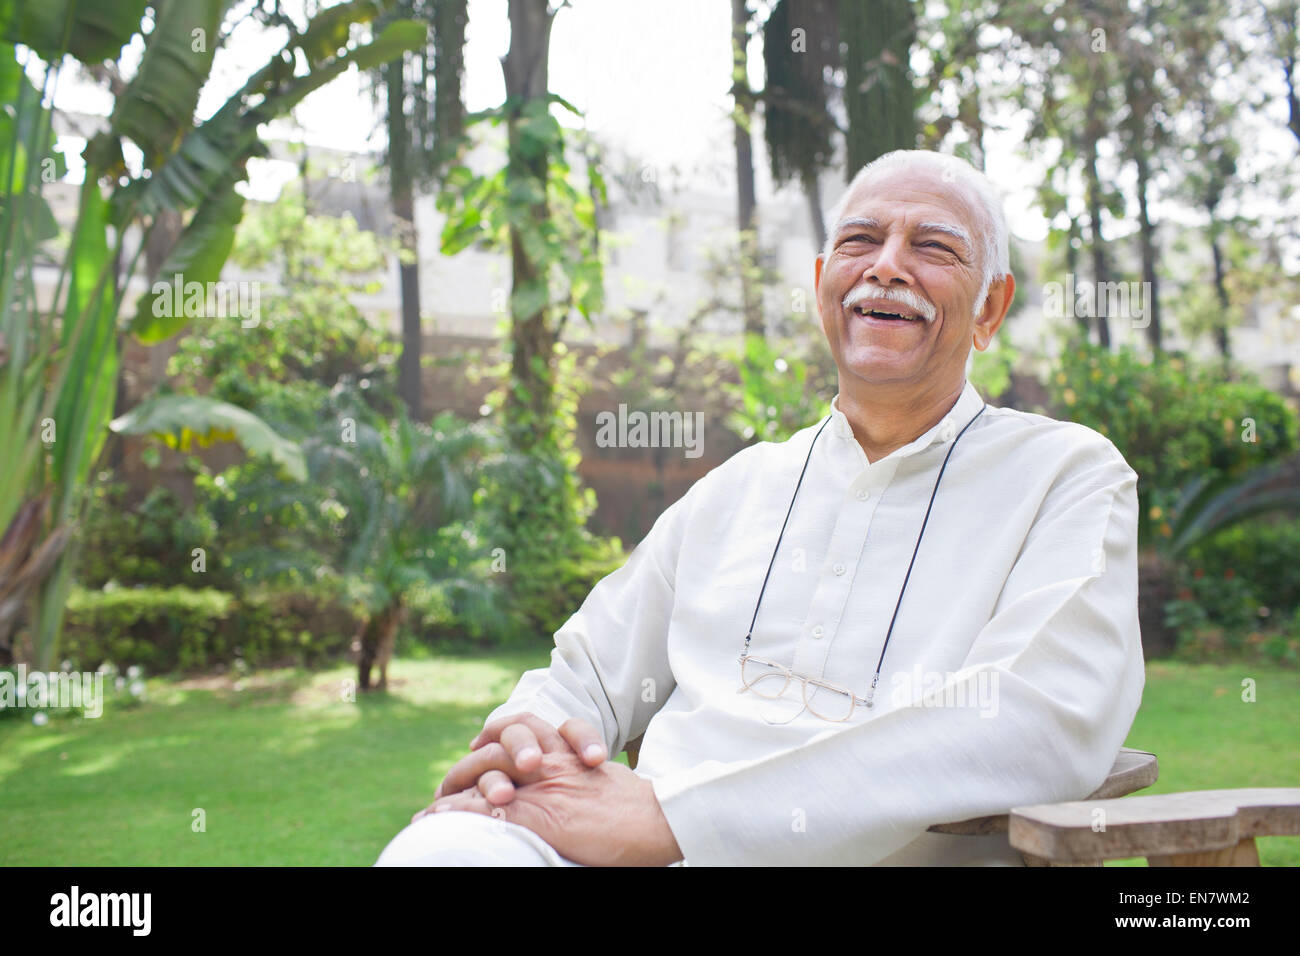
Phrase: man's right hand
x=509 y=749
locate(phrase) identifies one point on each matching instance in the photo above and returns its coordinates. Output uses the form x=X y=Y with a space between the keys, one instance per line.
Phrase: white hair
x=996 y=252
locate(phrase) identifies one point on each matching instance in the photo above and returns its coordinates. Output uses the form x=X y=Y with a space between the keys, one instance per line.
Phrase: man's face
x=908 y=234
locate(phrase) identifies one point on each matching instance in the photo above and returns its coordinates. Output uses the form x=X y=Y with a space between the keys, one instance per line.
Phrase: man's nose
x=889 y=266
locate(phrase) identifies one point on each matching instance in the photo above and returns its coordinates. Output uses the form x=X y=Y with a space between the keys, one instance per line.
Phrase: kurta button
x=839 y=569
x=863 y=495
x=818 y=631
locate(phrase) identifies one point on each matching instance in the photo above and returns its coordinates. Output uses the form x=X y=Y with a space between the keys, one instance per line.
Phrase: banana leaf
x=91 y=30
x=157 y=106
x=181 y=421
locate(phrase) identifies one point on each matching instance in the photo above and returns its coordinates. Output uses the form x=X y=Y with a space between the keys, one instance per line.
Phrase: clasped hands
x=559 y=784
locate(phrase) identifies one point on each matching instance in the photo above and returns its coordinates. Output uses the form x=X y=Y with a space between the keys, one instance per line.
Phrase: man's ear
x=1001 y=292
x=817 y=272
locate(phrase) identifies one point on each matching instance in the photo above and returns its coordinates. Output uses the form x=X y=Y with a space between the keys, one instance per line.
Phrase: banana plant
x=58 y=363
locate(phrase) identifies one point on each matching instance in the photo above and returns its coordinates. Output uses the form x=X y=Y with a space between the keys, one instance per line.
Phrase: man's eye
x=937 y=245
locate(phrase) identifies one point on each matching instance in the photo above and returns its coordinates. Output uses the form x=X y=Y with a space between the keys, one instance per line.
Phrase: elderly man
x=920 y=609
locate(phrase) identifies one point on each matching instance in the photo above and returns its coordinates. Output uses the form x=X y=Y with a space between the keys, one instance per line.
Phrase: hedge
x=187 y=629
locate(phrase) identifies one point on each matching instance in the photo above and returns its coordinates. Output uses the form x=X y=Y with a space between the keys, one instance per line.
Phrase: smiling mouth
x=885 y=315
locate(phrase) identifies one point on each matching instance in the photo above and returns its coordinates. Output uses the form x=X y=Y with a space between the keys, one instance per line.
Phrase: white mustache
x=901 y=296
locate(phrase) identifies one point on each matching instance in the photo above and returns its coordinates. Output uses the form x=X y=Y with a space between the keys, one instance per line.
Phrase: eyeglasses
x=823 y=699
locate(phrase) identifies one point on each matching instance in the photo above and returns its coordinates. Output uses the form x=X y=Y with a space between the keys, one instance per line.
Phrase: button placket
x=833 y=586
x=843 y=556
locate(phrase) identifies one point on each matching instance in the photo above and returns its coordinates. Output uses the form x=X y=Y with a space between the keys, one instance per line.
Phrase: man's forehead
x=921 y=191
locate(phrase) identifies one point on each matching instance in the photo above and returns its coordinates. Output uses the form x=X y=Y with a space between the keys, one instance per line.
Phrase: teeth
x=863 y=311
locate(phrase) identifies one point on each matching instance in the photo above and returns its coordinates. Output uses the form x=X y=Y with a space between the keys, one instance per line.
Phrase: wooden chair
x=1195 y=828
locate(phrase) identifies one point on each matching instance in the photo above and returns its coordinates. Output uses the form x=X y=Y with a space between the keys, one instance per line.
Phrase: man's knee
x=460 y=838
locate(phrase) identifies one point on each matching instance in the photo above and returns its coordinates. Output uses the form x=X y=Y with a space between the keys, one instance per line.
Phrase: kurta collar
x=968 y=404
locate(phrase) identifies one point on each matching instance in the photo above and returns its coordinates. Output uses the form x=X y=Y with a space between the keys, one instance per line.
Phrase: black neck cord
x=875 y=679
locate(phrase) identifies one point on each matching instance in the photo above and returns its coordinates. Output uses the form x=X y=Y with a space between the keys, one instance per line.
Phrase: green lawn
x=1206 y=737
x=288 y=772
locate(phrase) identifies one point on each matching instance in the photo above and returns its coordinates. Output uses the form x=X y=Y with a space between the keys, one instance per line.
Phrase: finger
x=523 y=747
x=426 y=810
x=547 y=735
x=465 y=773
x=470 y=801
x=586 y=741
x=496 y=787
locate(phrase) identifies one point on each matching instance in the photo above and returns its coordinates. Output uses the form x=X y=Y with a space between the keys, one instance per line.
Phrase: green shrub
x=1264 y=555
x=149 y=542
x=179 y=628
x=1207 y=643
x=547 y=589
x=1174 y=421
x=1239 y=591
x=1225 y=600
x=784 y=386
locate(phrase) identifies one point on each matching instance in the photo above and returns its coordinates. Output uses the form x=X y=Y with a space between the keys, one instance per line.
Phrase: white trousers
x=461 y=838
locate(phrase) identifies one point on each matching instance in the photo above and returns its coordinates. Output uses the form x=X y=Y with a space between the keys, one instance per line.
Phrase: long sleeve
x=1062 y=653
x=610 y=662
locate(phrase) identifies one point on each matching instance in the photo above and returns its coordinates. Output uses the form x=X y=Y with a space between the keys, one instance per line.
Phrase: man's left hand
x=600 y=816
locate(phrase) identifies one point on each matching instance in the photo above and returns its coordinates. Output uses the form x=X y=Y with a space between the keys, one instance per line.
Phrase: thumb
x=587 y=742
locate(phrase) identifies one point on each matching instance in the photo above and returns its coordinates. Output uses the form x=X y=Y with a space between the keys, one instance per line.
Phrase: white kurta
x=1012 y=676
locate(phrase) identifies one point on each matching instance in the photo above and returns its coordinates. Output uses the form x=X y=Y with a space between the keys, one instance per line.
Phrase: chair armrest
x=1132 y=770
x=1160 y=825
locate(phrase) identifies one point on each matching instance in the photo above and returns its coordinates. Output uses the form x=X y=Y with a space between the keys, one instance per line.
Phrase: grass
x=286 y=771
x=1206 y=737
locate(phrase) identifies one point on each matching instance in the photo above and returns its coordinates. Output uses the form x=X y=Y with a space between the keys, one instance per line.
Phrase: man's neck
x=885 y=420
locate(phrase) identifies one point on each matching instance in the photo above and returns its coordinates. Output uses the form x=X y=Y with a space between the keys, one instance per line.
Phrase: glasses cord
x=772 y=563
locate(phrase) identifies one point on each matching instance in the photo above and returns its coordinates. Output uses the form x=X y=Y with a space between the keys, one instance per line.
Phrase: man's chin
x=866 y=361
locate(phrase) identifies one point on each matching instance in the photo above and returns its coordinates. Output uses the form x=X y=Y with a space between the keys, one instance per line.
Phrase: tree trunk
x=1137 y=90
x=1072 y=268
x=530 y=399
x=1220 y=292
x=402 y=191
x=746 y=199
x=812 y=189
x=879 y=96
x=1285 y=31
x=160 y=240
x=1149 y=275
x=1155 y=590
x=377 y=637
x=1100 y=272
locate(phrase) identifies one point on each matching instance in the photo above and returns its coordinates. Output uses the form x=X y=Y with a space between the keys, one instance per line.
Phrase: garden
x=306 y=548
